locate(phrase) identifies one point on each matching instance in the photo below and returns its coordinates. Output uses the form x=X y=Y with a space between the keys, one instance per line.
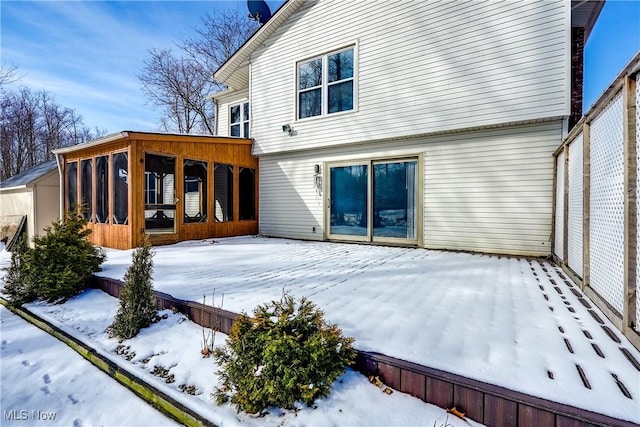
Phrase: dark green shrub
x=17 y=287
x=63 y=260
x=286 y=353
x=59 y=265
x=137 y=303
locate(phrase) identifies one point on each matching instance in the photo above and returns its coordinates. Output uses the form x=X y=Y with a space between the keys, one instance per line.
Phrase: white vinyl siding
x=437 y=65
x=290 y=205
x=492 y=192
x=488 y=191
x=224 y=104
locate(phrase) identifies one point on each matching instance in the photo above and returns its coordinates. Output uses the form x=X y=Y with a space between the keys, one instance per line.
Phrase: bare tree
x=220 y=35
x=31 y=125
x=179 y=87
x=179 y=82
x=8 y=73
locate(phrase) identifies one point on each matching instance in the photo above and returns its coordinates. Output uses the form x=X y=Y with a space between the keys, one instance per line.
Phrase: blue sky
x=87 y=54
x=614 y=40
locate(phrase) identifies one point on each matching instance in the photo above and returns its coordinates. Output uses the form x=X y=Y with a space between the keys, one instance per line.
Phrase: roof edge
x=109 y=138
x=128 y=134
x=15 y=187
x=593 y=19
x=238 y=58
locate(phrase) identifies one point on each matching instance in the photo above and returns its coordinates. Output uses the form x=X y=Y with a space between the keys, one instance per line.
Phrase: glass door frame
x=369 y=162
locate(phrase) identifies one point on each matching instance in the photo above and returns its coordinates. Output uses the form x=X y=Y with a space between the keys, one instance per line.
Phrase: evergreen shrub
x=286 y=353
x=16 y=282
x=58 y=266
x=138 y=307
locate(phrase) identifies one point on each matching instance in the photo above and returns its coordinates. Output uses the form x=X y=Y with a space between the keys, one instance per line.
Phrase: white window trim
x=242 y=122
x=325 y=83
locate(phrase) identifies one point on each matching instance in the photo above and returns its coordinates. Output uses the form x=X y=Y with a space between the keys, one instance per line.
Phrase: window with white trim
x=239 y=120
x=325 y=84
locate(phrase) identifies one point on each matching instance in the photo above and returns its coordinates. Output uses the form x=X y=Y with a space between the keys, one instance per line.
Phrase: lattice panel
x=574 y=223
x=607 y=204
x=558 y=244
x=638 y=199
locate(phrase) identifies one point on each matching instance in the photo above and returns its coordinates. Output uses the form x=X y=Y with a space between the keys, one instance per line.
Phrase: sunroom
x=172 y=187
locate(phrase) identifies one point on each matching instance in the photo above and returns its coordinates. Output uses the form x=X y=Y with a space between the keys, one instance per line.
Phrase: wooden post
x=629 y=314
x=586 y=204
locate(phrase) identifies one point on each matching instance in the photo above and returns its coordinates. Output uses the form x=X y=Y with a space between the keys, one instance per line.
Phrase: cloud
x=87 y=54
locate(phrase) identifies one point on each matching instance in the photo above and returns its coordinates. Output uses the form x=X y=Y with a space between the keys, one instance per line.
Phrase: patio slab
x=514 y=322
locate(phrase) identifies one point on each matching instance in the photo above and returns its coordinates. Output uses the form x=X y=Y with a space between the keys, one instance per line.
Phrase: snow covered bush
x=59 y=265
x=286 y=353
x=137 y=303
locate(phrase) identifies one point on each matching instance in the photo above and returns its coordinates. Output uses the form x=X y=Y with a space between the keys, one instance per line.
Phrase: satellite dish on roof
x=258 y=11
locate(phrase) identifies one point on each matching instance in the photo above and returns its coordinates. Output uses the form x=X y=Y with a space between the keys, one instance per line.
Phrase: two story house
x=424 y=123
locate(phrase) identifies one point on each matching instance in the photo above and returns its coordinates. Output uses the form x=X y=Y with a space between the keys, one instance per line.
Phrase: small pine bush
x=58 y=266
x=17 y=287
x=137 y=303
x=63 y=260
x=286 y=353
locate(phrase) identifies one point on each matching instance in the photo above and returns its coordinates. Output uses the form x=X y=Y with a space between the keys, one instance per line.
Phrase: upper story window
x=326 y=84
x=239 y=120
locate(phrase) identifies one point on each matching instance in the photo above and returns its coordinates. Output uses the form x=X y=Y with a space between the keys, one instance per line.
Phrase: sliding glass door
x=348 y=200
x=394 y=199
x=376 y=200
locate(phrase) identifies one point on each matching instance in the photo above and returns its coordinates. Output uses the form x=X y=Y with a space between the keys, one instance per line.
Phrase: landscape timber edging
x=482 y=402
x=144 y=390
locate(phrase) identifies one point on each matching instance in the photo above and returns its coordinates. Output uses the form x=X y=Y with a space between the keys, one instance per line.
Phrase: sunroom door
x=159 y=194
x=374 y=201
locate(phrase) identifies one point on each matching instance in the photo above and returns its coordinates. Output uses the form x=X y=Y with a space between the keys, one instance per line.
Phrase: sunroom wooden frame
x=213 y=150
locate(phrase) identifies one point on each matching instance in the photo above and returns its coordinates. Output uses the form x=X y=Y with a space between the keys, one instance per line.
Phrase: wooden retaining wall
x=486 y=403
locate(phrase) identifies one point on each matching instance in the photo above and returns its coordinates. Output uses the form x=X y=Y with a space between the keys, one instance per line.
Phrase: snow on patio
x=506 y=321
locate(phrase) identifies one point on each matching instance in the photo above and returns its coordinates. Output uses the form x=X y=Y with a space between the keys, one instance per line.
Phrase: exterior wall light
x=287 y=129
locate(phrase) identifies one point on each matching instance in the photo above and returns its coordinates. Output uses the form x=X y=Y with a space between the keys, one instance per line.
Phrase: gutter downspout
x=215 y=117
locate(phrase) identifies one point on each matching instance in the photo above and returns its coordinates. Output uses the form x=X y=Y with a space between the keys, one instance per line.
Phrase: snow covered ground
x=38 y=373
x=507 y=321
x=171 y=348
x=45 y=383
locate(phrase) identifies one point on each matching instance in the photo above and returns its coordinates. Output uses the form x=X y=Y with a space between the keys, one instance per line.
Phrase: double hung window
x=239 y=120
x=325 y=84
